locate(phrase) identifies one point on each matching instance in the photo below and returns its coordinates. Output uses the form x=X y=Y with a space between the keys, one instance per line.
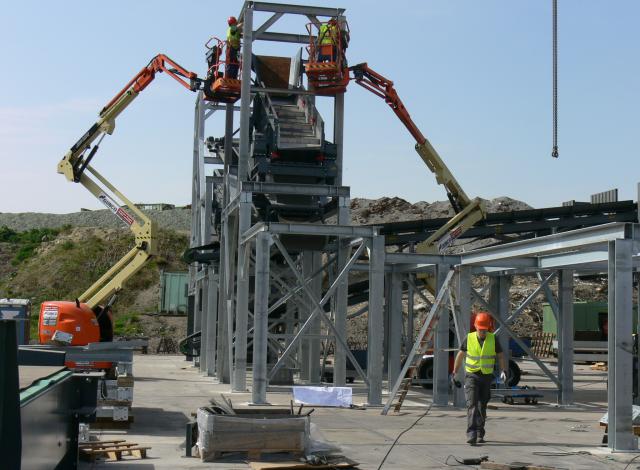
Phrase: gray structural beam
x=565 y=337
x=441 y=343
x=375 y=334
x=621 y=437
x=464 y=300
x=260 y=319
x=394 y=346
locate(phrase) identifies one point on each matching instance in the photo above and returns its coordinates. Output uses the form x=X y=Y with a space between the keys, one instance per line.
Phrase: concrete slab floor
x=168 y=389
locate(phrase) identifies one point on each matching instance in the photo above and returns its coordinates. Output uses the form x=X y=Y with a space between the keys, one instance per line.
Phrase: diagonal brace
x=520 y=343
x=318 y=308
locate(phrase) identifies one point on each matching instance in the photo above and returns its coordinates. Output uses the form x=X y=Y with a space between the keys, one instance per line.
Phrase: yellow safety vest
x=480 y=358
x=328 y=34
x=233 y=38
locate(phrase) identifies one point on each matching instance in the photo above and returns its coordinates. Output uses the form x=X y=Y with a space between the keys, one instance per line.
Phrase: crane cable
x=554 y=152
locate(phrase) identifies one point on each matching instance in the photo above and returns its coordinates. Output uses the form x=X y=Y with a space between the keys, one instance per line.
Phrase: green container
x=588 y=320
x=174 y=289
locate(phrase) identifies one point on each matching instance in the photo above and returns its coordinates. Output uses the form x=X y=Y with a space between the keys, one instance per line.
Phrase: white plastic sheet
x=341 y=397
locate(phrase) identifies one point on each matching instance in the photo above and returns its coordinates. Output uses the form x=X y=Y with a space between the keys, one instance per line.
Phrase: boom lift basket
x=218 y=86
x=326 y=68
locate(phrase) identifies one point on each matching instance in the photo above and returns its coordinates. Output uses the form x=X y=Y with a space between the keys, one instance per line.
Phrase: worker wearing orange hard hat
x=233 y=47
x=479 y=352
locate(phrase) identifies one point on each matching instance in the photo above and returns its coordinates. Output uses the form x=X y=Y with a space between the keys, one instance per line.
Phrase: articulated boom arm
x=76 y=164
x=468 y=211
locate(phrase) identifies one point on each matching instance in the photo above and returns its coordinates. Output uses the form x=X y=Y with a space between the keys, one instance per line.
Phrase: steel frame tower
x=221 y=290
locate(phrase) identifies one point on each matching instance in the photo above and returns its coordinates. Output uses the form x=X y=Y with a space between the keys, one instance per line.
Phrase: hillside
x=70 y=259
x=57 y=256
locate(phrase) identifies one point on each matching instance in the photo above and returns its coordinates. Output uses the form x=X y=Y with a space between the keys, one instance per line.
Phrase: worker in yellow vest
x=328 y=37
x=233 y=47
x=479 y=352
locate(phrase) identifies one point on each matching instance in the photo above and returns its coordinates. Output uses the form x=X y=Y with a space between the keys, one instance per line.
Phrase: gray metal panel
x=605 y=196
x=47 y=424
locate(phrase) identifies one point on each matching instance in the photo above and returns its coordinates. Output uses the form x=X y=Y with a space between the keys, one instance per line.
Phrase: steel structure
x=251 y=291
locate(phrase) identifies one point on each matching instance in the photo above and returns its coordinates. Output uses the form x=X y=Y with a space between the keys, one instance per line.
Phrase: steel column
x=341 y=301
x=260 y=319
x=441 y=346
x=375 y=333
x=565 y=337
x=499 y=301
x=621 y=437
x=310 y=262
x=464 y=300
x=395 y=328
x=239 y=377
x=245 y=94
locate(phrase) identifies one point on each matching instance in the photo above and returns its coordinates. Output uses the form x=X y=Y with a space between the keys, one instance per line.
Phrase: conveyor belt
x=527 y=223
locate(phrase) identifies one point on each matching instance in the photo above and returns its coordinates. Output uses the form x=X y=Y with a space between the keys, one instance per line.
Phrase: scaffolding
x=252 y=274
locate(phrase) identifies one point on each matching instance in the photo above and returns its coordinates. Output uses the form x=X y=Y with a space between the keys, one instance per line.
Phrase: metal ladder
x=414 y=359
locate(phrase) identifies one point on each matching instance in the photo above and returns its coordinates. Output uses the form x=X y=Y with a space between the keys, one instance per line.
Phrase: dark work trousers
x=232 y=63
x=477 y=391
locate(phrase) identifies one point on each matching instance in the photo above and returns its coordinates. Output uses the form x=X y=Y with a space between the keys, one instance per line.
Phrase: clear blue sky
x=475 y=75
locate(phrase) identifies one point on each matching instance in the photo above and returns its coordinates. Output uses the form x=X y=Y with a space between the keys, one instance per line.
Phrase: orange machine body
x=77 y=320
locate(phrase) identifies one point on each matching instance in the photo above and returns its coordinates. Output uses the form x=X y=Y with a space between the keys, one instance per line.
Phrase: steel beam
x=318 y=307
x=346 y=231
x=267 y=24
x=239 y=378
x=294 y=188
x=565 y=337
x=375 y=333
x=499 y=301
x=291 y=9
x=260 y=320
x=515 y=337
x=565 y=241
x=463 y=297
x=286 y=37
x=342 y=292
x=441 y=343
x=395 y=327
x=620 y=384
x=310 y=263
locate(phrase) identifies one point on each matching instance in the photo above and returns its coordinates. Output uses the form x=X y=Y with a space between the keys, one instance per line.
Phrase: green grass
x=127 y=324
x=26 y=243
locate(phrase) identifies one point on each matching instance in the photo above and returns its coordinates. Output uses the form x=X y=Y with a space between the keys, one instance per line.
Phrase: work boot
x=471 y=440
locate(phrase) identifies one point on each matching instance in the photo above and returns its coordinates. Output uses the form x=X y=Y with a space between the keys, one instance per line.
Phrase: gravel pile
x=175 y=219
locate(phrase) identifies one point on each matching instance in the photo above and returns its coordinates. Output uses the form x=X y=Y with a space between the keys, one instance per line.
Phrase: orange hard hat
x=232 y=20
x=482 y=321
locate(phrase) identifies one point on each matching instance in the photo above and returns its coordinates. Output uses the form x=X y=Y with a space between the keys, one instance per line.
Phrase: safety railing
x=222 y=60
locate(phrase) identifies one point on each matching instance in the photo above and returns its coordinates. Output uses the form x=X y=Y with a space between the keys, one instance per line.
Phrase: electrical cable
x=465 y=462
x=402 y=433
x=561 y=454
x=631 y=461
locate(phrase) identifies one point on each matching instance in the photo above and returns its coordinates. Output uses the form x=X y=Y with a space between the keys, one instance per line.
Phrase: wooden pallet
x=111 y=450
x=542 y=344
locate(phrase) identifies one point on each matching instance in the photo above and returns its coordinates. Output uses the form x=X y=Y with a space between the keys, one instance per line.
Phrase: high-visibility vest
x=480 y=358
x=233 y=39
x=328 y=34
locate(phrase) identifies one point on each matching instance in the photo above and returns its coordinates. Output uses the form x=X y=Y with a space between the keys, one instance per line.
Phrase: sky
x=474 y=74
